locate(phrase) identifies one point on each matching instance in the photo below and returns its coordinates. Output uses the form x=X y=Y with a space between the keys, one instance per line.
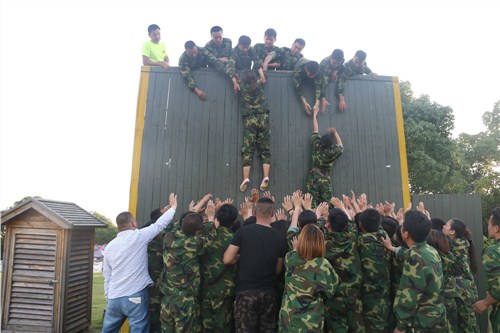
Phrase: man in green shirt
x=154 y=52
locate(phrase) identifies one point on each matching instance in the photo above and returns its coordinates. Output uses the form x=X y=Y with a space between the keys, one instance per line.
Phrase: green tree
x=104 y=235
x=430 y=149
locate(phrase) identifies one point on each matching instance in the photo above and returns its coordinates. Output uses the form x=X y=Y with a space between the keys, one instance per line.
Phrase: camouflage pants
x=180 y=313
x=376 y=308
x=255 y=311
x=319 y=186
x=155 y=297
x=344 y=313
x=256 y=137
x=451 y=315
x=495 y=318
x=217 y=313
x=466 y=318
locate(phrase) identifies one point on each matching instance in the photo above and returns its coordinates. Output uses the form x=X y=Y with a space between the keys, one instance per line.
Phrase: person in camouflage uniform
x=217 y=279
x=242 y=57
x=180 y=279
x=376 y=266
x=345 y=309
x=330 y=70
x=267 y=51
x=419 y=301
x=323 y=156
x=195 y=57
x=253 y=107
x=309 y=281
x=307 y=72
x=219 y=46
x=288 y=57
x=355 y=66
x=491 y=264
x=462 y=248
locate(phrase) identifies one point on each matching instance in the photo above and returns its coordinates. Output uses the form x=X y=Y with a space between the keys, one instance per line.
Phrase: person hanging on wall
x=154 y=52
x=253 y=107
x=323 y=155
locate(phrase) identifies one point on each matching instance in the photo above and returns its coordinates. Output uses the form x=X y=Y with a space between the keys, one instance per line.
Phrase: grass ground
x=98 y=302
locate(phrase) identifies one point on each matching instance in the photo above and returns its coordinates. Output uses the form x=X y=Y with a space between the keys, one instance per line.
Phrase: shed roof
x=65 y=214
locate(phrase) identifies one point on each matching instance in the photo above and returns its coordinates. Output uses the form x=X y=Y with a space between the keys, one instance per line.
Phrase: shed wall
x=190 y=147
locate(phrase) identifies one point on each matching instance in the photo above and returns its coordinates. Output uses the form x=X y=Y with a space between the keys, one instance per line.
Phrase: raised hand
x=297 y=199
x=280 y=214
x=307 y=201
x=287 y=204
x=210 y=211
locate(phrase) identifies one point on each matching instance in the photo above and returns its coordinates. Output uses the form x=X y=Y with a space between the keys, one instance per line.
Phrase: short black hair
x=361 y=55
x=216 y=28
x=437 y=223
x=300 y=41
x=326 y=140
x=495 y=214
x=192 y=223
x=307 y=217
x=417 y=225
x=389 y=225
x=189 y=45
x=244 y=40
x=370 y=220
x=337 y=219
x=226 y=215
x=338 y=55
x=313 y=67
x=270 y=33
x=153 y=27
x=155 y=214
x=249 y=76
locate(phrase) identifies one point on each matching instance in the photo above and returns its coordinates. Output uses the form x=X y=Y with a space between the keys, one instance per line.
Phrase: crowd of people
x=342 y=266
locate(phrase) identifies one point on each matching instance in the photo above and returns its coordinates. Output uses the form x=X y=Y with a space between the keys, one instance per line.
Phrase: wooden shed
x=48 y=267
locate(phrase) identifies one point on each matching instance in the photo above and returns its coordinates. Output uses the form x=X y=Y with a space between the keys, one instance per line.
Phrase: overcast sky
x=69 y=73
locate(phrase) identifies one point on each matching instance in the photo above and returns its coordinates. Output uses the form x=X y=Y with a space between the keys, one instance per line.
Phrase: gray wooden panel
x=192 y=147
x=466 y=207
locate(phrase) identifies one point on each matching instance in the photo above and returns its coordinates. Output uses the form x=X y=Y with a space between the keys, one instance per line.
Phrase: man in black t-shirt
x=261 y=251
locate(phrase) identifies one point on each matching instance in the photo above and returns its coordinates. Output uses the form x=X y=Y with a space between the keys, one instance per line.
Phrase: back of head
x=215 y=28
x=307 y=217
x=338 y=55
x=389 y=224
x=361 y=55
x=244 y=40
x=227 y=215
x=192 y=223
x=326 y=141
x=311 y=243
x=123 y=220
x=270 y=33
x=438 y=240
x=264 y=208
x=337 y=219
x=249 y=76
x=495 y=216
x=370 y=220
x=417 y=225
x=313 y=67
x=437 y=223
x=189 y=45
x=300 y=41
x=153 y=27
x=155 y=214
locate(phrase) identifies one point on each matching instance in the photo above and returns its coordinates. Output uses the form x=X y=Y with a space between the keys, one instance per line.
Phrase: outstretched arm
x=335 y=134
x=315 y=121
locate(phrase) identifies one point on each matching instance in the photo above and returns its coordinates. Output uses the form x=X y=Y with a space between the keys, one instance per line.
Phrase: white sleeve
x=154 y=229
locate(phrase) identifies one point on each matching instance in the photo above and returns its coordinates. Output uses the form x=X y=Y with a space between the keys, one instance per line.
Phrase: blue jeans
x=135 y=307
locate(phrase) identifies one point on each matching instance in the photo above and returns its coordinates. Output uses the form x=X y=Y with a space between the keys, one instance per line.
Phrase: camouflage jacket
x=324 y=158
x=449 y=281
x=300 y=79
x=287 y=60
x=263 y=51
x=181 y=270
x=375 y=263
x=419 y=300
x=342 y=254
x=326 y=71
x=155 y=259
x=491 y=263
x=241 y=61
x=348 y=71
x=307 y=284
x=203 y=59
x=216 y=278
x=252 y=100
x=220 y=51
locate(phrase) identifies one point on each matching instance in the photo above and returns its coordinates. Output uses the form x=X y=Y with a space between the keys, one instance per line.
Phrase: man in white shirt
x=126 y=277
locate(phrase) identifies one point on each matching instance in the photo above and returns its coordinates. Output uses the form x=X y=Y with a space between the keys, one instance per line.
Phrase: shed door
x=34 y=282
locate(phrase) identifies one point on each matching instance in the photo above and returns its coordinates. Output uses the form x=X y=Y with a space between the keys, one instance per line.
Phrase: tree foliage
x=104 y=235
